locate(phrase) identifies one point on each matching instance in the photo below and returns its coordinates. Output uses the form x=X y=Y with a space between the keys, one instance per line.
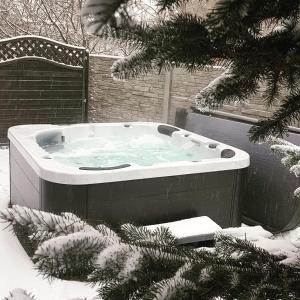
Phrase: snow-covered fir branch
x=19 y=294
x=170 y=288
x=291 y=156
x=134 y=263
x=206 y=99
x=74 y=253
x=44 y=225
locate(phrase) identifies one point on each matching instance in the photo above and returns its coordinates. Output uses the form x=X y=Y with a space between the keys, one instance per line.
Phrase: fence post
x=167 y=95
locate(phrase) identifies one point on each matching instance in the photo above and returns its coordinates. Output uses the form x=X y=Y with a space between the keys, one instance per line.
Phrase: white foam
x=143 y=150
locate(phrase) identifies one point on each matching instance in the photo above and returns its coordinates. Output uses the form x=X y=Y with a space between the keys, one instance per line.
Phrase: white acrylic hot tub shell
x=23 y=137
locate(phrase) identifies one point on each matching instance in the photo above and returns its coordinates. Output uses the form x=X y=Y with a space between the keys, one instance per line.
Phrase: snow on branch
x=44 y=225
x=168 y=288
x=19 y=294
x=74 y=253
x=291 y=156
x=206 y=98
x=134 y=263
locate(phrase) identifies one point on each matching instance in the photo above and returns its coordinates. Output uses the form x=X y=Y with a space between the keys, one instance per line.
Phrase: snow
x=205 y=99
x=167 y=287
x=203 y=228
x=4 y=178
x=19 y=294
x=251 y=233
x=191 y=230
x=52 y=247
x=131 y=263
x=291 y=156
x=17 y=269
x=287 y=245
x=111 y=252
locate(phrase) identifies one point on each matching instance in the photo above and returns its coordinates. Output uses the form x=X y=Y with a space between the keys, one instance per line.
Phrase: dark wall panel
x=41 y=81
x=267 y=189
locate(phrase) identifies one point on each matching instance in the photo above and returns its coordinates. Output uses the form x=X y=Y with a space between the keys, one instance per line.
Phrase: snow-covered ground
x=17 y=269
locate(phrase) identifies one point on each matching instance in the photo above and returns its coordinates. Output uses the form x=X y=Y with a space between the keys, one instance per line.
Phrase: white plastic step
x=191 y=230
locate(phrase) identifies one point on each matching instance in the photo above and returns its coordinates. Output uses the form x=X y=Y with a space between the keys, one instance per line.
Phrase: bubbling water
x=144 y=150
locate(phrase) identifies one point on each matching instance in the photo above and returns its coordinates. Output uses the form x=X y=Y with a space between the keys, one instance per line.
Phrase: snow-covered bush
x=291 y=156
x=135 y=263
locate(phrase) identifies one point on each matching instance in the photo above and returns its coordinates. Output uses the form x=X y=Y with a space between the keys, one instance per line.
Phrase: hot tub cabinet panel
x=143 y=198
x=24 y=182
x=149 y=201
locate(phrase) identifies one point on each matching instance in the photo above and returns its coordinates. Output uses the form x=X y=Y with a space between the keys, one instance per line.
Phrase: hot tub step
x=193 y=230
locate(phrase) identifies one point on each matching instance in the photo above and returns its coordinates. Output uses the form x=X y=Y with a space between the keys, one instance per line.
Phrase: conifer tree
x=136 y=263
x=255 y=40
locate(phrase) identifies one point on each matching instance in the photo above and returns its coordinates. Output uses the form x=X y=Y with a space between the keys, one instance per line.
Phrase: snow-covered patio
x=17 y=269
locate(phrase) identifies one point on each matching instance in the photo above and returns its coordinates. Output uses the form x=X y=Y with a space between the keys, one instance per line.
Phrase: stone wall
x=185 y=86
x=113 y=101
x=155 y=97
x=254 y=107
x=197 y=7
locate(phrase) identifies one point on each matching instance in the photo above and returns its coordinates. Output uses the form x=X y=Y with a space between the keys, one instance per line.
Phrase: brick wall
x=155 y=97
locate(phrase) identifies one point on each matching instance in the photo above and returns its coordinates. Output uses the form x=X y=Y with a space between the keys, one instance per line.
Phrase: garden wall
x=154 y=97
x=116 y=101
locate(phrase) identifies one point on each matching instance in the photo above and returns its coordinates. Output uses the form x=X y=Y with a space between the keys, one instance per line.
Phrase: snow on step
x=251 y=233
x=191 y=230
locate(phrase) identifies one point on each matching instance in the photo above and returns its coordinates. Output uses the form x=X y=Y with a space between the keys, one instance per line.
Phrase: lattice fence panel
x=41 y=81
x=32 y=46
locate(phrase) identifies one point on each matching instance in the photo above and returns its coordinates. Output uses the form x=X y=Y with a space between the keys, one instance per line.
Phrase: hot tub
x=141 y=172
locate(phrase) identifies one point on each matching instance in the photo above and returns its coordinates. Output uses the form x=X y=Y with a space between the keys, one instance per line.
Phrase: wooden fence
x=41 y=81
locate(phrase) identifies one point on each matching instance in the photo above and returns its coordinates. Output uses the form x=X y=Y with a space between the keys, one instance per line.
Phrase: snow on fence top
x=29 y=46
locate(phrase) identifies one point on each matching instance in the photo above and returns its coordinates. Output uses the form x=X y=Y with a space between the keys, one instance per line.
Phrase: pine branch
x=259 y=40
x=235 y=14
x=291 y=156
x=170 y=4
x=226 y=88
x=288 y=112
x=97 y=13
x=70 y=256
x=272 y=91
x=172 y=288
x=139 y=264
x=43 y=225
x=19 y=294
x=161 y=235
x=160 y=47
x=130 y=67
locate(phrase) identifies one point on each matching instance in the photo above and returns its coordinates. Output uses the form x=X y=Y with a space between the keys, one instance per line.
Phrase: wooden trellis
x=41 y=81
